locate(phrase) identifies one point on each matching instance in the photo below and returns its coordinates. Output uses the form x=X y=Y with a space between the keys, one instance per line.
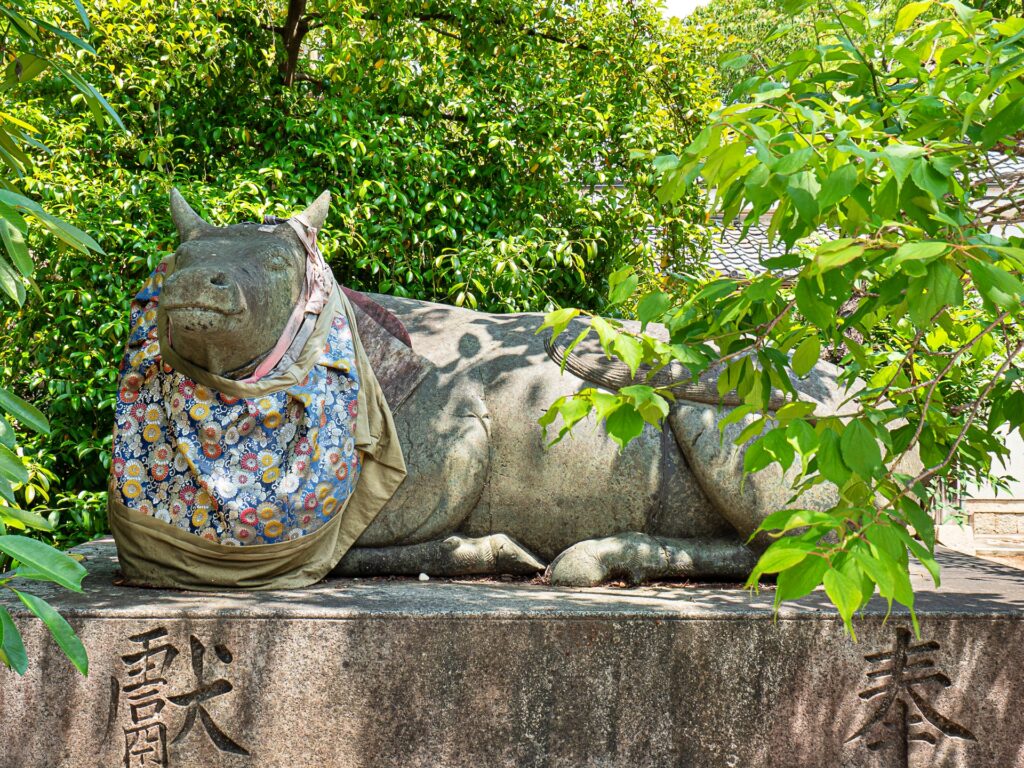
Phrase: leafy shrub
x=35 y=45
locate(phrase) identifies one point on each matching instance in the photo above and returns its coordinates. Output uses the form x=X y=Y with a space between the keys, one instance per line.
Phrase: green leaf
x=879 y=567
x=734 y=61
x=995 y=284
x=82 y=14
x=12 y=650
x=800 y=580
x=62 y=632
x=14 y=242
x=629 y=350
x=924 y=250
x=12 y=466
x=57 y=566
x=780 y=555
x=921 y=520
x=833 y=259
x=796 y=410
x=830 y=462
x=558 y=321
x=25 y=518
x=886 y=537
x=838 y=186
x=860 y=450
x=804 y=440
x=1005 y=124
x=845 y=594
x=756 y=458
x=929 y=179
x=715 y=290
x=803 y=190
x=793 y=162
x=621 y=285
x=751 y=431
x=574 y=408
x=28 y=415
x=7 y=436
x=813 y=308
x=927 y=296
x=7 y=491
x=900 y=158
x=909 y=13
x=73 y=39
x=776 y=444
x=11 y=282
x=652 y=406
x=806 y=355
x=926 y=557
x=71 y=235
x=786 y=520
x=624 y=424
x=652 y=307
x=22 y=69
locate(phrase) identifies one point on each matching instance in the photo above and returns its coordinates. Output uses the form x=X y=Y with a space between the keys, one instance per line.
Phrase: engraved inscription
x=900 y=684
x=139 y=700
x=193 y=700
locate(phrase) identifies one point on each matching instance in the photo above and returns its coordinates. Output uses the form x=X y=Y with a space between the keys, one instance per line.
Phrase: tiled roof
x=735 y=255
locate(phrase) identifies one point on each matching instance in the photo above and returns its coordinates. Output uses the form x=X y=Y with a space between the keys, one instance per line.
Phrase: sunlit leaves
x=45 y=561
x=60 y=630
x=35 y=45
x=806 y=355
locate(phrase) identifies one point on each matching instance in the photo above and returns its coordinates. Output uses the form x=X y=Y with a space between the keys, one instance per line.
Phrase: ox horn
x=316 y=214
x=189 y=223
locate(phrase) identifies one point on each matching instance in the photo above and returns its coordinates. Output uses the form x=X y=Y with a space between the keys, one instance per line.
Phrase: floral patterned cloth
x=233 y=470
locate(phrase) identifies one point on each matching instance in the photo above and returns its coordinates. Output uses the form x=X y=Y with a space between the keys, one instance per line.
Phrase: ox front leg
x=639 y=557
x=452 y=556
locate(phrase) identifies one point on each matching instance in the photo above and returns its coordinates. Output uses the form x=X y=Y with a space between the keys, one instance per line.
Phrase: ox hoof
x=496 y=553
x=634 y=557
x=455 y=555
x=639 y=557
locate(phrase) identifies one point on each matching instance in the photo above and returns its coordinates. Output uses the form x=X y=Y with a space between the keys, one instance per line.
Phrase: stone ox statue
x=483 y=494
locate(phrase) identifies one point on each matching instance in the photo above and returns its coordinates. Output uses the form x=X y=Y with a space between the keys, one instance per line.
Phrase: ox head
x=233 y=288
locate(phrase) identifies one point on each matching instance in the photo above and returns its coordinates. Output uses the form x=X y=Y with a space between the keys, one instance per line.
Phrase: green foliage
x=35 y=45
x=39 y=562
x=881 y=132
x=493 y=155
x=738 y=36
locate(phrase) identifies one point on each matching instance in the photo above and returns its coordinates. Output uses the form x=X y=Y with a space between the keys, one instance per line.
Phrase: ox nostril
x=219 y=280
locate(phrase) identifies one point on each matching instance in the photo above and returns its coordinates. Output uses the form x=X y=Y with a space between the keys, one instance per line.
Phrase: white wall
x=1014 y=466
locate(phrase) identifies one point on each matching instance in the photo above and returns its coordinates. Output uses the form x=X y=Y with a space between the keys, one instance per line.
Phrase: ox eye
x=278 y=262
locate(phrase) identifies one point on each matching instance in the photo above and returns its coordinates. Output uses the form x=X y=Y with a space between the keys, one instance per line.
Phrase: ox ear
x=189 y=223
x=316 y=214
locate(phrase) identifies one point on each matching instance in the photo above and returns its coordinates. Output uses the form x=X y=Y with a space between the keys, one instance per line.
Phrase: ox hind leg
x=639 y=557
x=454 y=555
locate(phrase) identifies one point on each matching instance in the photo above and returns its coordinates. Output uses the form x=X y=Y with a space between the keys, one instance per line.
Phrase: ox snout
x=201 y=299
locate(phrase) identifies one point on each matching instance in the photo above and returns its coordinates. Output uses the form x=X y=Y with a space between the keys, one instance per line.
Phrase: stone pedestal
x=404 y=673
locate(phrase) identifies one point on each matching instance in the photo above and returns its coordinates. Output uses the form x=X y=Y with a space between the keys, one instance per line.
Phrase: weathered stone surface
x=233 y=287
x=404 y=673
x=478 y=465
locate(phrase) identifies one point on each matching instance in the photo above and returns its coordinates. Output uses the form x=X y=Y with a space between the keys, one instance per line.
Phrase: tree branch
x=930 y=472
